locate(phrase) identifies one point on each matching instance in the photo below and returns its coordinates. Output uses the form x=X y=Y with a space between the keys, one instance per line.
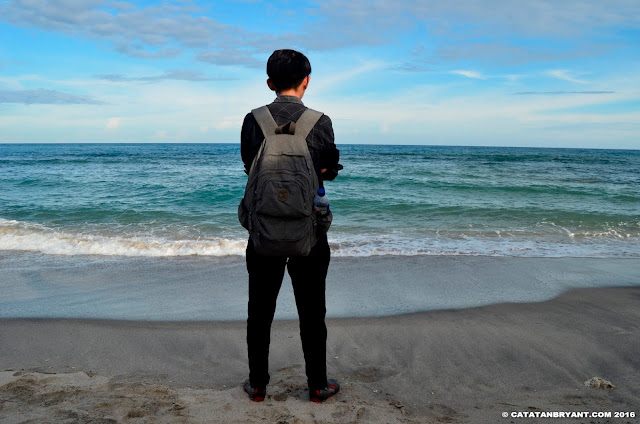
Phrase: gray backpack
x=277 y=207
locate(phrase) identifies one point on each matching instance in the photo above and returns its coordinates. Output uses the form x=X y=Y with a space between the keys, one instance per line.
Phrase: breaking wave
x=17 y=235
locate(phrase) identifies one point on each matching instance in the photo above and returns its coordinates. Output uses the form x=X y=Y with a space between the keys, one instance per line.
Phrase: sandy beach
x=480 y=160
x=453 y=366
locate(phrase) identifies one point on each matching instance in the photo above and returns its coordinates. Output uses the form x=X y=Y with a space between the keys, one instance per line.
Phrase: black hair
x=287 y=68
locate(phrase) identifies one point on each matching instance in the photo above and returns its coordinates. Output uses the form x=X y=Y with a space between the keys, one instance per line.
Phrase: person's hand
x=329 y=175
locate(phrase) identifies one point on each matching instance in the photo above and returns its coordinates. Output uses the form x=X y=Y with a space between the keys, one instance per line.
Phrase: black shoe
x=256 y=394
x=320 y=395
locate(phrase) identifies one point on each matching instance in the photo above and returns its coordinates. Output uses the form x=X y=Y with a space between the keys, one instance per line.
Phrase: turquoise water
x=181 y=199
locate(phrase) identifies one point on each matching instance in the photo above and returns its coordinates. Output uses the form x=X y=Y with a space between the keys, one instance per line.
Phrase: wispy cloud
x=41 y=96
x=148 y=52
x=565 y=75
x=155 y=31
x=339 y=77
x=412 y=67
x=172 y=29
x=230 y=56
x=229 y=122
x=518 y=68
x=177 y=74
x=505 y=120
x=483 y=30
x=469 y=74
x=113 y=123
x=506 y=51
x=556 y=93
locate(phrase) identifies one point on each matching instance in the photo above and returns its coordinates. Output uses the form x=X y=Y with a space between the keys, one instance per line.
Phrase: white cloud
x=512 y=78
x=229 y=122
x=469 y=74
x=491 y=31
x=565 y=75
x=113 y=123
x=42 y=96
x=145 y=31
x=533 y=17
x=175 y=74
x=170 y=29
x=561 y=93
x=426 y=114
x=421 y=115
x=336 y=77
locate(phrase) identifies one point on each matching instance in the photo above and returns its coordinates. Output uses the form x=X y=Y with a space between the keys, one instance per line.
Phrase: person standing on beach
x=289 y=75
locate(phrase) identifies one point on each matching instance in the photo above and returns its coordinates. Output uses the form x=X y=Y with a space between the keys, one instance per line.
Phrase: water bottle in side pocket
x=321 y=203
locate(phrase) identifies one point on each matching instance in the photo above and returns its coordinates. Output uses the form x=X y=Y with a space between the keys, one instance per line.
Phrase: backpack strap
x=307 y=121
x=265 y=120
x=303 y=127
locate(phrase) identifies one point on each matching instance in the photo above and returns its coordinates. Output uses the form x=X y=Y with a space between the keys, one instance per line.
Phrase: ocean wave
x=24 y=236
x=34 y=237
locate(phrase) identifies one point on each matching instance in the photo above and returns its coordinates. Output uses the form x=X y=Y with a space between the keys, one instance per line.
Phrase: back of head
x=287 y=68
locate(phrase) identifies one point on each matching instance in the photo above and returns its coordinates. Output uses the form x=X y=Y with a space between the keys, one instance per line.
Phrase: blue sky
x=475 y=72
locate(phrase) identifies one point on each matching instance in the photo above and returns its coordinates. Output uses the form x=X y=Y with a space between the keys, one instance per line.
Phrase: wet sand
x=215 y=288
x=447 y=366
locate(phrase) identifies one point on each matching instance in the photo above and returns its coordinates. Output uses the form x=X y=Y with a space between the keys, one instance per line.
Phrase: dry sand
x=456 y=366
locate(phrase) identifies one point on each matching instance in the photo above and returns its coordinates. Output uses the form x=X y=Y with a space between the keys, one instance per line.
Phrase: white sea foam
x=16 y=235
x=25 y=236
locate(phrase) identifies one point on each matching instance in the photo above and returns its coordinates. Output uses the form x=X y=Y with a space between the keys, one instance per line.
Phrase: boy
x=289 y=75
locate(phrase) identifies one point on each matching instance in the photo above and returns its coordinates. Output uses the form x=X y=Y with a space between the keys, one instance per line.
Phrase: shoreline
x=214 y=289
x=462 y=365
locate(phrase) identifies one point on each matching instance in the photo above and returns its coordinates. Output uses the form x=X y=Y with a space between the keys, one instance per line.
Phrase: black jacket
x=320 y=140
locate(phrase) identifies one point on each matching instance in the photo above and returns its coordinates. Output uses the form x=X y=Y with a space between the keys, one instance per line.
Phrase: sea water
x=150 y=231
x=181 y=199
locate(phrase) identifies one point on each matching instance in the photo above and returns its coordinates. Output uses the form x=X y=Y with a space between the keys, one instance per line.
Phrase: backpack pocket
x=284 y=198
x=277 y=237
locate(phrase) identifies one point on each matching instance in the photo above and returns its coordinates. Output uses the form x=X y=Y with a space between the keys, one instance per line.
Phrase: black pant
x=308 y=275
